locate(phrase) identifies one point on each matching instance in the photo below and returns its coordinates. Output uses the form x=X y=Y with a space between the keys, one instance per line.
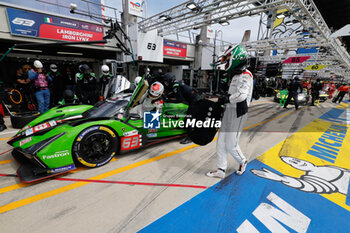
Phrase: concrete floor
x=66 y=206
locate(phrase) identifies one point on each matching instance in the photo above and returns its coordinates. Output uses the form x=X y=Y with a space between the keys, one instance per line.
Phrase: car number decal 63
x=129 y=143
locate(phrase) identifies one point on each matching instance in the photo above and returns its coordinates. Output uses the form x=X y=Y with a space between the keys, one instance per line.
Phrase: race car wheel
x=95 y=146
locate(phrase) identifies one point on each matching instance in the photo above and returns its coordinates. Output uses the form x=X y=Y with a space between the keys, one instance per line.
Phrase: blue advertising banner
x=61 y=6
x=26 y=23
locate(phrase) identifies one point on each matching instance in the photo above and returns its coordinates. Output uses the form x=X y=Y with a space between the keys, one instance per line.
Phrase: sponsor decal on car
x=106 y=161
x=41 y=127
x=29 y=132
x=52 y=123
x=86 y=132
x=27 y=127
x=57 y=155
x=152 y=135
x=24 y=141
x=130 y=133
x=62 y=169
x=107 y=130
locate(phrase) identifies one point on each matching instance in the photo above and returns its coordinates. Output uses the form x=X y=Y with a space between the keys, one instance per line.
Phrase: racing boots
x=220 y=173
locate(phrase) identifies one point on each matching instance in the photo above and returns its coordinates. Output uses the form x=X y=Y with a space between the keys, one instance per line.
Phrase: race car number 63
x=130 y=142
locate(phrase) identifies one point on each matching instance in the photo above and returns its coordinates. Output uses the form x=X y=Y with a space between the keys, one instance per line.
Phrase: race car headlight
x=34 y=149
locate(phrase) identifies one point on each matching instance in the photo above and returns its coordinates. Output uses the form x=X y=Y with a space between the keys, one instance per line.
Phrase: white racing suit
x=241 y=89
x=148 y=104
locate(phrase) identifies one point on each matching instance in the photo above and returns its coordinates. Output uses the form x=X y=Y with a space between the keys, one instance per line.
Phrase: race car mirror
x=210 y=114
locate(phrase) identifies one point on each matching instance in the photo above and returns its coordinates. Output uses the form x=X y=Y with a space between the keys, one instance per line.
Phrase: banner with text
x=31 y=24
x=175 y=49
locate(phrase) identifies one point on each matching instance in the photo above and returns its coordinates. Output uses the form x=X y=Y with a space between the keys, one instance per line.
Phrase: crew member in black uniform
x=179 y=92
x=315 y=91
x=293 y=92
x=87 y=85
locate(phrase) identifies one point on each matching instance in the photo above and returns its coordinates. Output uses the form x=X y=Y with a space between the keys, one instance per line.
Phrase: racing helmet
x=235 y=59
x=84 y=68
x=68 y=96
x=155 y=91
x=37 y=64
x=137 y=80
x=105 y=69
x=168 y=79
x=53 y=68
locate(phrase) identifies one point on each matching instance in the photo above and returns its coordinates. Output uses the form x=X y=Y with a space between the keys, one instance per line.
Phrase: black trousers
x=2 y=122
x=340 y=96
x=293 y=95
x=315 y=96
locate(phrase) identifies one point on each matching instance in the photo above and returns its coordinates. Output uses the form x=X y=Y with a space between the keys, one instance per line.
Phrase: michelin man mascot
x=236 y=103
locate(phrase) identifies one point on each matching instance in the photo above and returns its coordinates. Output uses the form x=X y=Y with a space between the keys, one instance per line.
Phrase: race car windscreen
x=106 y=109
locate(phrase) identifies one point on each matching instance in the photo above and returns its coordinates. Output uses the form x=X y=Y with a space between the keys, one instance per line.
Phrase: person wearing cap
x=57 y=86
x=105 y=79
x=41 y=83
x=87 y=85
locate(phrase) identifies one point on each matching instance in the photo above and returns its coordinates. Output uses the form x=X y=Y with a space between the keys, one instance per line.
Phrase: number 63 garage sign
x=150 y=46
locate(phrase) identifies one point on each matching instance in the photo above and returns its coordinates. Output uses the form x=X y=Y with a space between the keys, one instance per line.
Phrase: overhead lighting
x=73 y=7
x=165 y=17
x=27 y=50
x=224 y=22
x=192 y=6
x=69 y=53
x=280 y=16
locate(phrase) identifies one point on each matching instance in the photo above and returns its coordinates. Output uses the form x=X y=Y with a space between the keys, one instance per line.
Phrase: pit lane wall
x=299 y=185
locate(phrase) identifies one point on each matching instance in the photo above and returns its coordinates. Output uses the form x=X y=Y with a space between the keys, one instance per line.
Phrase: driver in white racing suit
x=236 y=101
x=152 y=100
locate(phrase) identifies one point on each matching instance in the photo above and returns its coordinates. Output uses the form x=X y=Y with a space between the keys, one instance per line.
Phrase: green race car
x=68 y=136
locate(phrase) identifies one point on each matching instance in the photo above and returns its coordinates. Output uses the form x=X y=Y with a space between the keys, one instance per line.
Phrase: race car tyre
x=95 y=146
x=204 y=110
x=19 y=120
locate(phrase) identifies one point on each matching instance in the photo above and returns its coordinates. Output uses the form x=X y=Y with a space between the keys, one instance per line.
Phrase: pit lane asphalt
x=51 y=206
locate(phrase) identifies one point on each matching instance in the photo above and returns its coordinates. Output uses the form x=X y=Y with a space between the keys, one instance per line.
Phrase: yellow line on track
x=54 y=192
x=5 y=161
x=2 y=139
x=13 y=187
